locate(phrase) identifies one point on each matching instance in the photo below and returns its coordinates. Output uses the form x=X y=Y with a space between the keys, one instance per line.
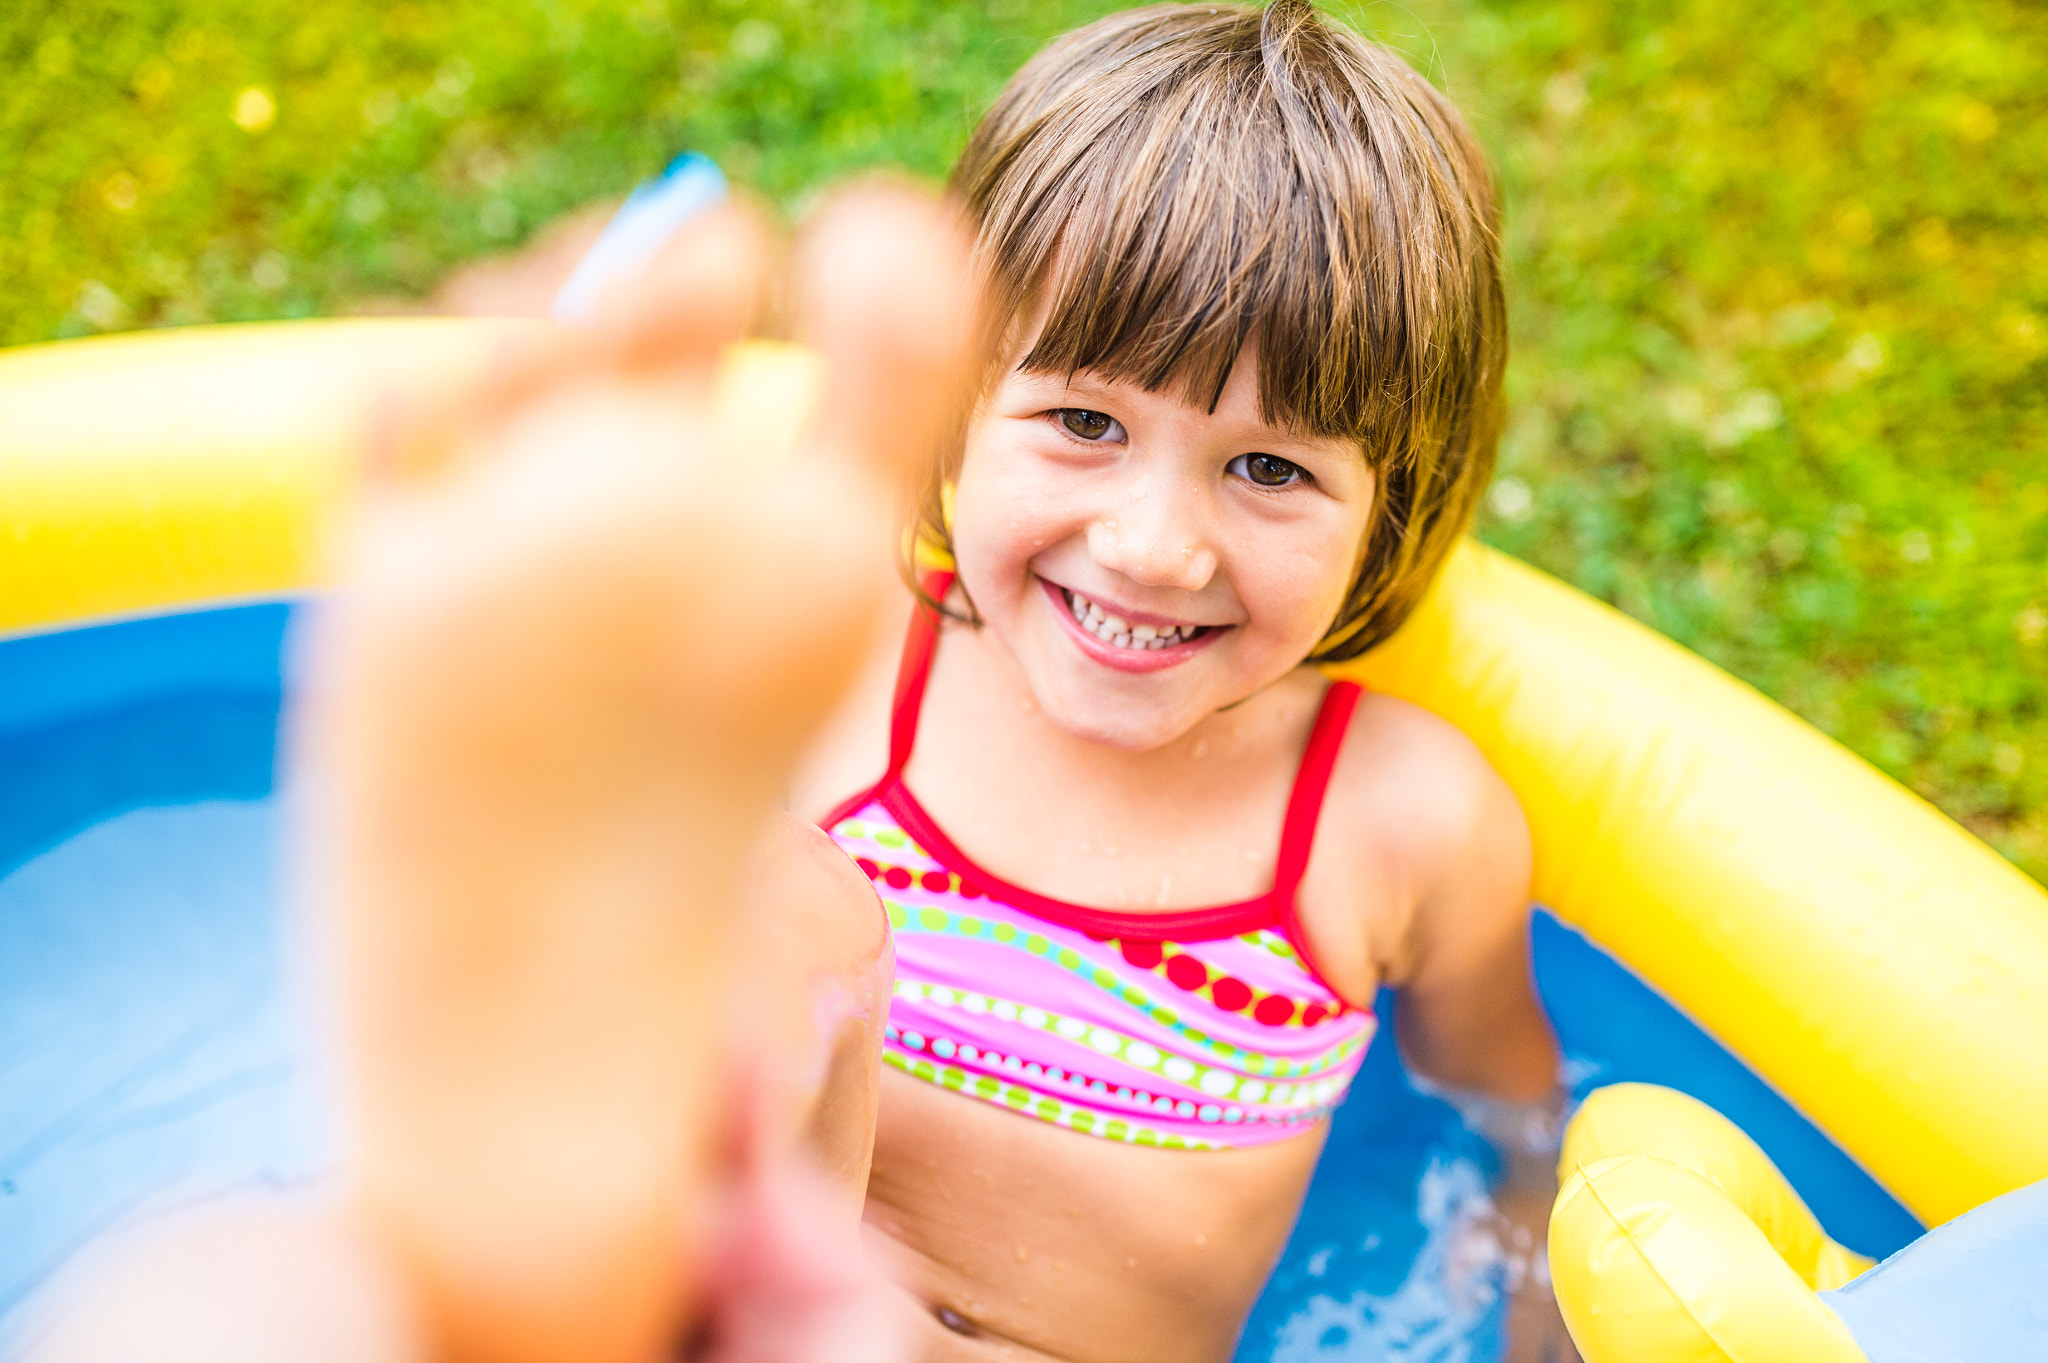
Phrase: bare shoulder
x=1415 y=819
x=1418 y=773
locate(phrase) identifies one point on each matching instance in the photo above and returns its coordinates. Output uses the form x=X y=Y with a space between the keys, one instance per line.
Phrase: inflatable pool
x=1737 y=909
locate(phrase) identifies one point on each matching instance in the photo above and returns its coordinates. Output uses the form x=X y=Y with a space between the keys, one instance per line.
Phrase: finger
x=424 y=429
x=710 y=286
x=888 y=296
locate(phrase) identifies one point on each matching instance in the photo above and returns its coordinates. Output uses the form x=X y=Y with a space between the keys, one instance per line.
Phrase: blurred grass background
x=1779 y=273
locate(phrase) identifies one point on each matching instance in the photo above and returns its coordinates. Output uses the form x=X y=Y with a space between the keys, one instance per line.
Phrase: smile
x=1151 y=644
x=1117 y=632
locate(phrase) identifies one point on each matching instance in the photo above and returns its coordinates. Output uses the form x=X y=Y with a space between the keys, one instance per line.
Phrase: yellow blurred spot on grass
x=1976 y=122
x=121 y=192
x=255 y=110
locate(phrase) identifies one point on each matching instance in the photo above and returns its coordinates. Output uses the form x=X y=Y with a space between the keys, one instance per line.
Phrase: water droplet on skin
x=1023 y=1253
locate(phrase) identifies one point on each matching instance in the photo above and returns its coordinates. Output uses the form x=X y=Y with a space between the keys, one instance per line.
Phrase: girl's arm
x=1468 y=1014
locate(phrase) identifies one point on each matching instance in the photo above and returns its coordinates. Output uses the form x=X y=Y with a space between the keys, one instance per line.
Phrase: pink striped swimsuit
x=1196 y=1029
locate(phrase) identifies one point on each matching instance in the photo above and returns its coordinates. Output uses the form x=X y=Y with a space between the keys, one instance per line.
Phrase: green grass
x=1780 y=274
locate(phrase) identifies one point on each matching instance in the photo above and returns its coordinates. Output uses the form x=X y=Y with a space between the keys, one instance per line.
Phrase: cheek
x=1297 y=582
x=1008 y=507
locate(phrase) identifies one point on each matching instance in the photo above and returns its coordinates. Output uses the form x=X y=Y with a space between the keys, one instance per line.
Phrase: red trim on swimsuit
x=1274 y=909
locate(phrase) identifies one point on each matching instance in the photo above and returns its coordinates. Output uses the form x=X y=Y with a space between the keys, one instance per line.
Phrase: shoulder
x=1415 y=820
x=1414 y=772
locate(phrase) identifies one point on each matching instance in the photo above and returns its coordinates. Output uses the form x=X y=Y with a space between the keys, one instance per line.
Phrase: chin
x=1133 y=734
x=1124 y=723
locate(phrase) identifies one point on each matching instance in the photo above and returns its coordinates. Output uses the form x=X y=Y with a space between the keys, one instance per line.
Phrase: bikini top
x=1194 y=1029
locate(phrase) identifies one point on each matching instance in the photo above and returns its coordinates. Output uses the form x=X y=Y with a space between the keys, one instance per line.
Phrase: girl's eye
x=1083 y=424
x=1268 y=470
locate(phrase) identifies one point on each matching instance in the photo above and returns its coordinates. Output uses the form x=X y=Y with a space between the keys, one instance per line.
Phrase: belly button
x=954 y=1321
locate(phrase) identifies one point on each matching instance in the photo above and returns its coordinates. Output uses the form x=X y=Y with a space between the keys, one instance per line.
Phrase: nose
x=1155 y=534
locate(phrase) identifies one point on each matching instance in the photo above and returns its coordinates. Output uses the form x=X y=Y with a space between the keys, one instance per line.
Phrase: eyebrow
x=1072 y=383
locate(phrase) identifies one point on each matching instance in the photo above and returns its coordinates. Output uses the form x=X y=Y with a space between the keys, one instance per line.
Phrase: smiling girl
x=1145 y=864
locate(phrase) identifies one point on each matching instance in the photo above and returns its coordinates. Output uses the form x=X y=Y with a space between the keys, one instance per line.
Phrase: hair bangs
x=1180 y=230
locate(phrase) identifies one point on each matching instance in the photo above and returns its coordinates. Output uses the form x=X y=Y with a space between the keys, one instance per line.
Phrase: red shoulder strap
x=1311 y=782
x=913 y=671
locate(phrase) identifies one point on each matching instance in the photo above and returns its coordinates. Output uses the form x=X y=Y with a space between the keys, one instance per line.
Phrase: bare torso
x=1018 y=1239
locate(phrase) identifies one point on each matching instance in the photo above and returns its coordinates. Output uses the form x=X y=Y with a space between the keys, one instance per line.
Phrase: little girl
x=1145 y=864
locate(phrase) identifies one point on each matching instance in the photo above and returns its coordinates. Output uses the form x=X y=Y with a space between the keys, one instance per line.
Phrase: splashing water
x=1446 y=1310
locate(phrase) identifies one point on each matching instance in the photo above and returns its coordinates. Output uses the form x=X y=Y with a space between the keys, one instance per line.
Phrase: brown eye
x=1268 y=470
x=1083 y=424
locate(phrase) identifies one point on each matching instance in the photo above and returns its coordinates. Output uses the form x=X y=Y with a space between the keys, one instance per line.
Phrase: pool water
x=1393 y=1257
x=154 y=1037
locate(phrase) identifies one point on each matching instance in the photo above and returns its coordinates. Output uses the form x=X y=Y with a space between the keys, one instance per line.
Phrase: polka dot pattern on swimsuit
x=1183 y=1045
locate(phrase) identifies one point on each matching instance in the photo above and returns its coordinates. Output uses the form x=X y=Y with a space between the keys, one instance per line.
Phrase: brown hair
x=1168 y=184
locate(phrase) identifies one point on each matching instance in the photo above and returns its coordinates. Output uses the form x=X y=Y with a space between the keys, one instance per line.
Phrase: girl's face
x=1146 y=562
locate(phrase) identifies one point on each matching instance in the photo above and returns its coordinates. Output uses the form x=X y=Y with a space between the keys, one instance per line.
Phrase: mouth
x=1123 y=643
x=1118 y=632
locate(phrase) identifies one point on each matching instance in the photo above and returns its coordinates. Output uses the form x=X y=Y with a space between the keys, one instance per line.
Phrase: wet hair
x=1169 y=184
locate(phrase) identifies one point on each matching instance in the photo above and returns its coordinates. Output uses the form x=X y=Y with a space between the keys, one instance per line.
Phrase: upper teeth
x=1120 y=633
